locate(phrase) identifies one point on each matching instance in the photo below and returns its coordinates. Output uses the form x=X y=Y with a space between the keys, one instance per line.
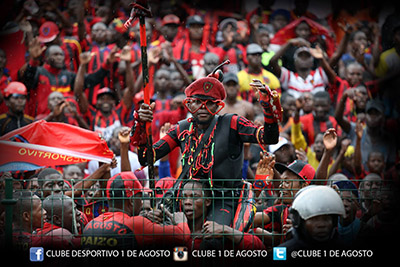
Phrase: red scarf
x=288 y=32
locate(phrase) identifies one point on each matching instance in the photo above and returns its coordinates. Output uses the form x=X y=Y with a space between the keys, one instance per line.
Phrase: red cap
x=124 y=184
x=163 y=185
x=207 y=86
x=48 y=32
x=302 y=169
x=106 y=90
x=170 y=19
x=15 y=88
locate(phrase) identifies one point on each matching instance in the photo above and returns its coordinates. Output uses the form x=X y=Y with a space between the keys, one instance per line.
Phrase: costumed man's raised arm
x=269 y=100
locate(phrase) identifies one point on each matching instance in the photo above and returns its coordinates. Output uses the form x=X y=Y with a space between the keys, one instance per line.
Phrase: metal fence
x=69 y=218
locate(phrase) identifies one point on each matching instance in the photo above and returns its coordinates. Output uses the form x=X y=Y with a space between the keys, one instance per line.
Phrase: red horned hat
x=210 y=86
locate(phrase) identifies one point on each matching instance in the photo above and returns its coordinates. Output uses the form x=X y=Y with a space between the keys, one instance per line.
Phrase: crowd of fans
x=337 y=78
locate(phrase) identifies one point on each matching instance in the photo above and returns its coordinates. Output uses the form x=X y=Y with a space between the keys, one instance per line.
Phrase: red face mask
x=194 y=104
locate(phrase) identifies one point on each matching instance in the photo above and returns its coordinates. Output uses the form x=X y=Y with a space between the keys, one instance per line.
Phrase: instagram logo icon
x=180 y=254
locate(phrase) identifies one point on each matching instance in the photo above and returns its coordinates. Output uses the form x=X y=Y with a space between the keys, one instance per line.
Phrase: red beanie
x=207 y=86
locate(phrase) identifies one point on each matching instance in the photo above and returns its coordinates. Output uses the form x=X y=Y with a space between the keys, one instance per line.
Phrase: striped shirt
x=120 y=116
x=292 y=83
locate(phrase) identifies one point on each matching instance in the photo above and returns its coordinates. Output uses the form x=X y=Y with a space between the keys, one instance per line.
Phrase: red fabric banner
x=48 y=144
x=317 y=30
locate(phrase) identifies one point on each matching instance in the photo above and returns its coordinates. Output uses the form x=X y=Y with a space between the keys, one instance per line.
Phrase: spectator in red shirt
x=100 y=51
x=190 y=51
x=49 y=34
x=42 y=80
x=351 y=107
x=62 y=110
x=162 y=90
x=107 y=114
x=319 y=120
x=28 y=215
x=62 y=222
x=15 y=99
x=229 y=49
x=171 y=30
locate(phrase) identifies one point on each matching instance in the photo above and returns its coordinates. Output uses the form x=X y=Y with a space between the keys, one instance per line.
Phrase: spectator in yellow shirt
x=315 y=152
x=255 y=70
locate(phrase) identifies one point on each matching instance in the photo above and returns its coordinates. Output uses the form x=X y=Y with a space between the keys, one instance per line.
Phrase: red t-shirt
x=312 y=127
x=119 y=229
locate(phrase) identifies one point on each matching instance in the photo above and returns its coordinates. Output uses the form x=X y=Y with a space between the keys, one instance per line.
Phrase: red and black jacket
x=41 y=81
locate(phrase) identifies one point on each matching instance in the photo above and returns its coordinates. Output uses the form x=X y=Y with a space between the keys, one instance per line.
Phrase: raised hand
x=269 y=100
x=264 y=172
x=330 y=139
x=59 y=108
x=123 y=135
x=301 y=155
x=125 y=54
x=155 y=55
x=35 y=48
x=112 y=56
x=85 y=57
x=259 y=88
x=317 y=52
x=359 y=129
x=266 y=165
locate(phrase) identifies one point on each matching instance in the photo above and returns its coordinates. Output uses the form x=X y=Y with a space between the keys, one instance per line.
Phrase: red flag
x=288 y=32
x=44 y=143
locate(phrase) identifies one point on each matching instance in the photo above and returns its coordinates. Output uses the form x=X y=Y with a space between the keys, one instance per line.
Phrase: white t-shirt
x=133 y=159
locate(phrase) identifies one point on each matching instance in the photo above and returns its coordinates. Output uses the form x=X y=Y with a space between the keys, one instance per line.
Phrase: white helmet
x=318 y=200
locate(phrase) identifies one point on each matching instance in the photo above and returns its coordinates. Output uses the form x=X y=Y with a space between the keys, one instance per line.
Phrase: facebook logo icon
x=279 y=254
x=36 y=254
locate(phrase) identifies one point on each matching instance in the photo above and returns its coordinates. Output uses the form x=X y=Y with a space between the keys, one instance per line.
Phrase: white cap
x=282 y=141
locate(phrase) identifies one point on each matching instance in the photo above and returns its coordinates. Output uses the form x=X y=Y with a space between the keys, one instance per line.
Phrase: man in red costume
x=212 y=145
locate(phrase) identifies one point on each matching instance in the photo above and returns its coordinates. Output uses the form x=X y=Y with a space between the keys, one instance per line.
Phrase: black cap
x=230 y=76
x=375 y=104
x=196 y=19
